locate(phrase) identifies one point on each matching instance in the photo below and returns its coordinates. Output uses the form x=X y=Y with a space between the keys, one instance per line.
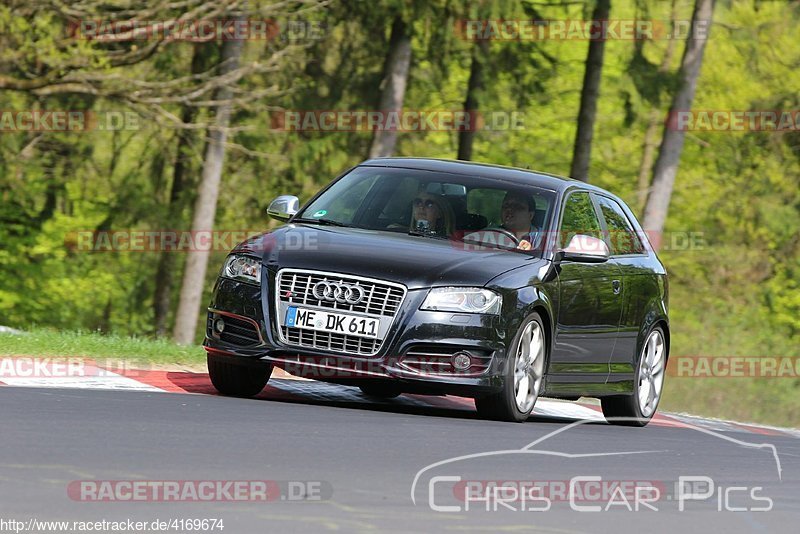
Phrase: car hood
x=417 y=262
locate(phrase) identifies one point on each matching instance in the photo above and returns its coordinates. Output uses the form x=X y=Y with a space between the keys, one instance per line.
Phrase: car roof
x=484 y=170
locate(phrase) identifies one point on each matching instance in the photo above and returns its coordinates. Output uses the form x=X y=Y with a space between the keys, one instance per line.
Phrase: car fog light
x=219 y=325
x=461 y=361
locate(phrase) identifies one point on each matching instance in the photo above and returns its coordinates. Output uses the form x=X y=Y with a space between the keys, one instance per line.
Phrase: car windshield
x=478 y=212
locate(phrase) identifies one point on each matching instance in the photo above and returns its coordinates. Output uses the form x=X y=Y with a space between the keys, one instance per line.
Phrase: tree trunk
x=651 y=135
x=393 y=87
x=466 y=137
x=166 y=261
x=648 y=156
x=206 y=204
x=582 y=152
x=162 y=296
x=655 y=212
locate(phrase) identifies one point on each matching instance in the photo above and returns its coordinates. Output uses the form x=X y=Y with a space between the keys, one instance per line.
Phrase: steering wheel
x=493 y=236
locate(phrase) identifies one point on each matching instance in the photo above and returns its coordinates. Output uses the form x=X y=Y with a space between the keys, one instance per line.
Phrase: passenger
x=432 y=214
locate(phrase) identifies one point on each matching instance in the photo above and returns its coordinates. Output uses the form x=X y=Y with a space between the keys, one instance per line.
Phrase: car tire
x=524 y=375
x=380 y=391
x=237 y=380
x=637 y=409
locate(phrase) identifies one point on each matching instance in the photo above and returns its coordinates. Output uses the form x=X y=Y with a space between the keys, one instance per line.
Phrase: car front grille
x=294 y=287
x=332 y=342
x=382 y=298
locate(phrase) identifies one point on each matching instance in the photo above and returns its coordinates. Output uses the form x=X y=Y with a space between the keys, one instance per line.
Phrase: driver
x=516 y=214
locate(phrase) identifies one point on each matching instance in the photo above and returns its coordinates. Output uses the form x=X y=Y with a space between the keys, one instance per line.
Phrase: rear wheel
x=380 y=391
x=237 y=380
x=524 y=376
x=638 y=408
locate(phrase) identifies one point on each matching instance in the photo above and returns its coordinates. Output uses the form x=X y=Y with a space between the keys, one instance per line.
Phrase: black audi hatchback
x=442 y=277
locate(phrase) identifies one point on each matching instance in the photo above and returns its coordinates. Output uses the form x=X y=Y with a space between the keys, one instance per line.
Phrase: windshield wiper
x=323 y=222
x=433 y=235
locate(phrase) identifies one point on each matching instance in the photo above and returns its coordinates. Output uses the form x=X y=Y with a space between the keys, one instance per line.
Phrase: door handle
x=616 y=285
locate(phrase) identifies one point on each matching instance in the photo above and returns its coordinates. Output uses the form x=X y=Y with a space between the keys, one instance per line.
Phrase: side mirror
x=584 y=249
x=283 y=207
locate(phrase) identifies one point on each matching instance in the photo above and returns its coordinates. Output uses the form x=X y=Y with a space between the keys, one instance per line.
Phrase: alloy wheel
x=529 y=367
x=651 y=373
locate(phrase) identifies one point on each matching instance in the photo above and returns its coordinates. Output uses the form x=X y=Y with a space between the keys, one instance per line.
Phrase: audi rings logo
x=338 y=292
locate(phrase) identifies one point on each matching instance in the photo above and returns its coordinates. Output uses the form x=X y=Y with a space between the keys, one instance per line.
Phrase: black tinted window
x=621 y=238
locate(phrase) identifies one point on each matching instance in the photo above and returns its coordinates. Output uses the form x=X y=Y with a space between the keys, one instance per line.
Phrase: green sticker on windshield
x=320 y=213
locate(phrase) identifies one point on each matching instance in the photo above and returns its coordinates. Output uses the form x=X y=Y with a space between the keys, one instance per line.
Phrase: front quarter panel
x=526 y=290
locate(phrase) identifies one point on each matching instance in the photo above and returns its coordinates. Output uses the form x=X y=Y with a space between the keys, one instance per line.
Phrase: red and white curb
x=285 y=387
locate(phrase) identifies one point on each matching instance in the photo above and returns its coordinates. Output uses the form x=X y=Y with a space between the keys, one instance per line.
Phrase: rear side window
x=621 y=238
x=579 y=218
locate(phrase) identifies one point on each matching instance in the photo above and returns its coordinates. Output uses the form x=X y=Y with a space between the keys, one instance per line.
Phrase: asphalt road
x=352 y=468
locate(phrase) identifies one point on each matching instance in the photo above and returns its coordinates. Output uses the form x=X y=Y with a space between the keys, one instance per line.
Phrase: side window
x=622 y=238
x=579 y=218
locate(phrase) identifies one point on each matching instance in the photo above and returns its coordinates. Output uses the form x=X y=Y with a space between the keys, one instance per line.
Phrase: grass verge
x=97 y=346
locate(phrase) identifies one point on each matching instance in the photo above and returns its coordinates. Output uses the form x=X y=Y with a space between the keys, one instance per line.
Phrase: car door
x=638 y=284
x=589 y=303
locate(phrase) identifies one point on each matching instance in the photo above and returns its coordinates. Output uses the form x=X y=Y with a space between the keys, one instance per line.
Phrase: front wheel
x=524 y=375
x=236 y=380
x=639 y=407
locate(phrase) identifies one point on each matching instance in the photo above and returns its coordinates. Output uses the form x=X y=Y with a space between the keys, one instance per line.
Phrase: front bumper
x=414 y=335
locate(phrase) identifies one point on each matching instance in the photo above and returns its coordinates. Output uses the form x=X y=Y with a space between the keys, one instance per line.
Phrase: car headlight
x=463 y=299
x=242 y=268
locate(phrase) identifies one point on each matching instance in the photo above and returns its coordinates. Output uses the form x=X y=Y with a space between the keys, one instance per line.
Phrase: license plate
x=333 y=323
